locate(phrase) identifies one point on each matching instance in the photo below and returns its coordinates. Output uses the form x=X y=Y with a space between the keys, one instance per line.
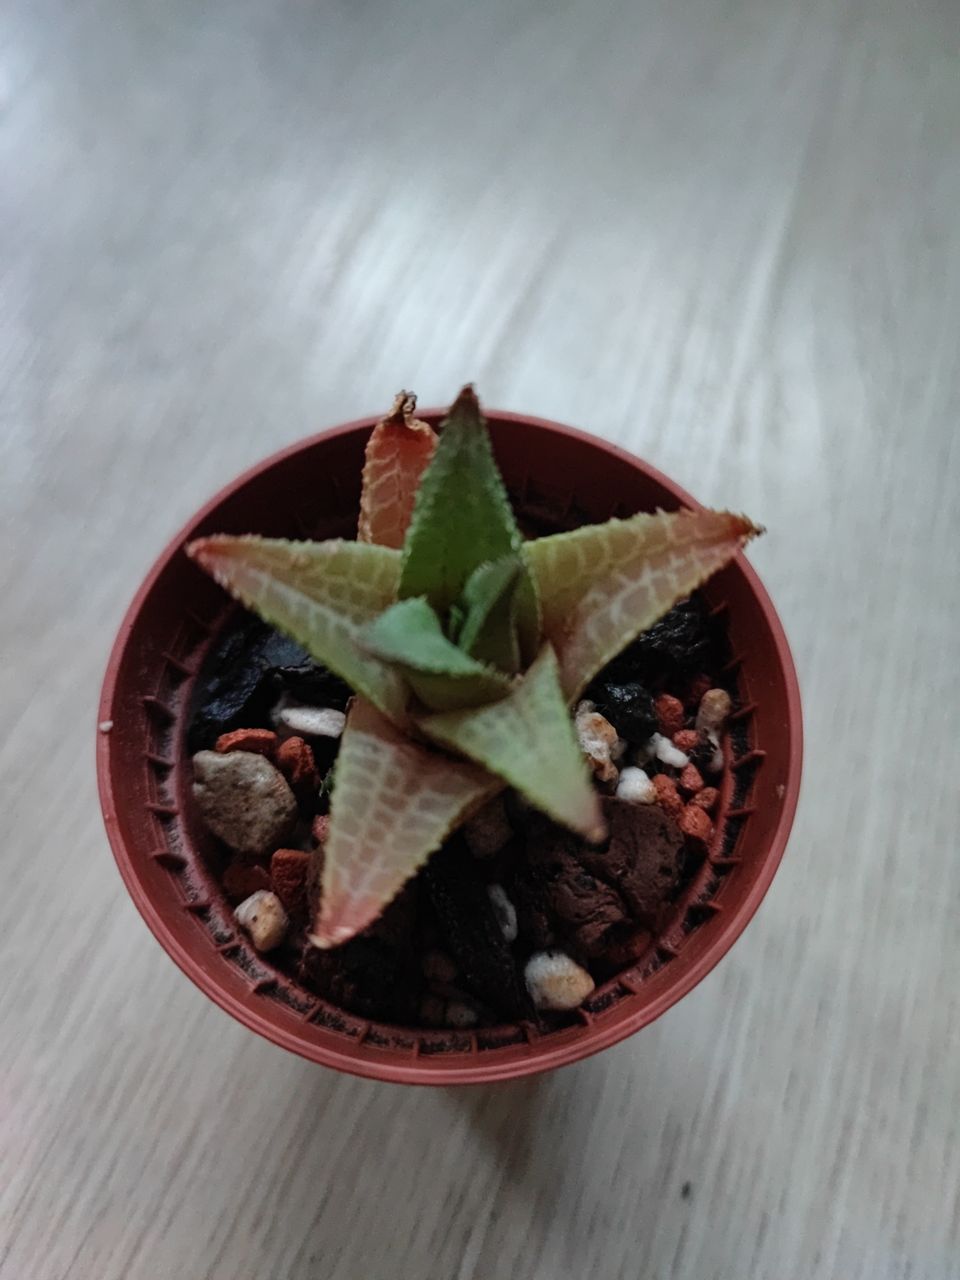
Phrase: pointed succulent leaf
x=462 y=516
x=409 y=636
x=601 y=585
x=489 y=630
x=394 y=803
x=397 y=455
x=528 y=739
x=320 y=594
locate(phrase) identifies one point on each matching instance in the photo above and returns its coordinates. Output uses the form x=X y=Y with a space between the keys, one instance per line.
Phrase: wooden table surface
x=723 y=233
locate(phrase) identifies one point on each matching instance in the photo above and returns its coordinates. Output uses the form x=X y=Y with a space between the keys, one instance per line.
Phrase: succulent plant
x=465 y=645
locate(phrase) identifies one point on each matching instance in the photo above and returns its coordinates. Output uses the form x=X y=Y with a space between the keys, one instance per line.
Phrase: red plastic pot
x=312 y=489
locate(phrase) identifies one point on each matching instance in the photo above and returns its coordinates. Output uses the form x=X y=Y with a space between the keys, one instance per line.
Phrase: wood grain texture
x=722 y=233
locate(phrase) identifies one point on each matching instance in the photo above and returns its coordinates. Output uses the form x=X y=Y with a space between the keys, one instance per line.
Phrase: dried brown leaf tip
x=398 y=453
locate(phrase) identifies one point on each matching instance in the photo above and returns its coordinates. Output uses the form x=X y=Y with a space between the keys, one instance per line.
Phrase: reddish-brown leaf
x=396 y=458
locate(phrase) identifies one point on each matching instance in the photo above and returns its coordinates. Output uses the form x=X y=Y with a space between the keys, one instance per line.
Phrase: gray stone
x=243 y=799
x=505 y=911
x=312 y=722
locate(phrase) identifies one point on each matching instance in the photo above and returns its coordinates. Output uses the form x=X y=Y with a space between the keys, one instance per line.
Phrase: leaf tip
x=466 y=400
x=745 y=528
x=205 y=551
x=729 y=526
x=219 y=552
x=598 y=833
x=326 y=938
x=404 y=406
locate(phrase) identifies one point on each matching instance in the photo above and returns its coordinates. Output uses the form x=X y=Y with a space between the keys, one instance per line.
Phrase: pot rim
x=365 y=1060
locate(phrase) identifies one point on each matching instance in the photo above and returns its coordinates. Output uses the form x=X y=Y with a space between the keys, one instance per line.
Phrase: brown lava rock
x=583 y=908
x=686 y=740
x=295 y=761
x=262 y=742
x=642 y=860
x=696 y=825
x=668 y=797
x=691 y=779
x=243 y=878
x=601 y=903
x=669 y=713
x=706 y=799
x=288 y=875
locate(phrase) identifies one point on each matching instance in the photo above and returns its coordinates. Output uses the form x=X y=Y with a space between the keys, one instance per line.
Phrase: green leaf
x=394 y=802
x=409 y=636
x=489 y=630
x=601 y=585
x=321 y=594
x=528 y=739
x=396 y=457
x=462 y=518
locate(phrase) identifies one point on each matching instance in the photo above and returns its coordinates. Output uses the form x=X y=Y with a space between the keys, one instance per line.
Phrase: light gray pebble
x=506 y=912
x=312 y=722
x=244 y=799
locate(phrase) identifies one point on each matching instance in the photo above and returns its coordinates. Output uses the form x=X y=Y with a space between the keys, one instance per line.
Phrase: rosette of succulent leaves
x=465 y=645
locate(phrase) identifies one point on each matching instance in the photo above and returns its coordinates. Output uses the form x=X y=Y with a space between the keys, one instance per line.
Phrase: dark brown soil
x=602 y=906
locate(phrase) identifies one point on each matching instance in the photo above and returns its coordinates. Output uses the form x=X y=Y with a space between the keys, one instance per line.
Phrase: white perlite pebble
x=716 y=760
x=635 y=787
x=667 y=753
x=598 y=740
x=313 y=722
x=263 y=917
x=715 y=706
x=488 y=830
x=555 y=981
x=506 y=912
